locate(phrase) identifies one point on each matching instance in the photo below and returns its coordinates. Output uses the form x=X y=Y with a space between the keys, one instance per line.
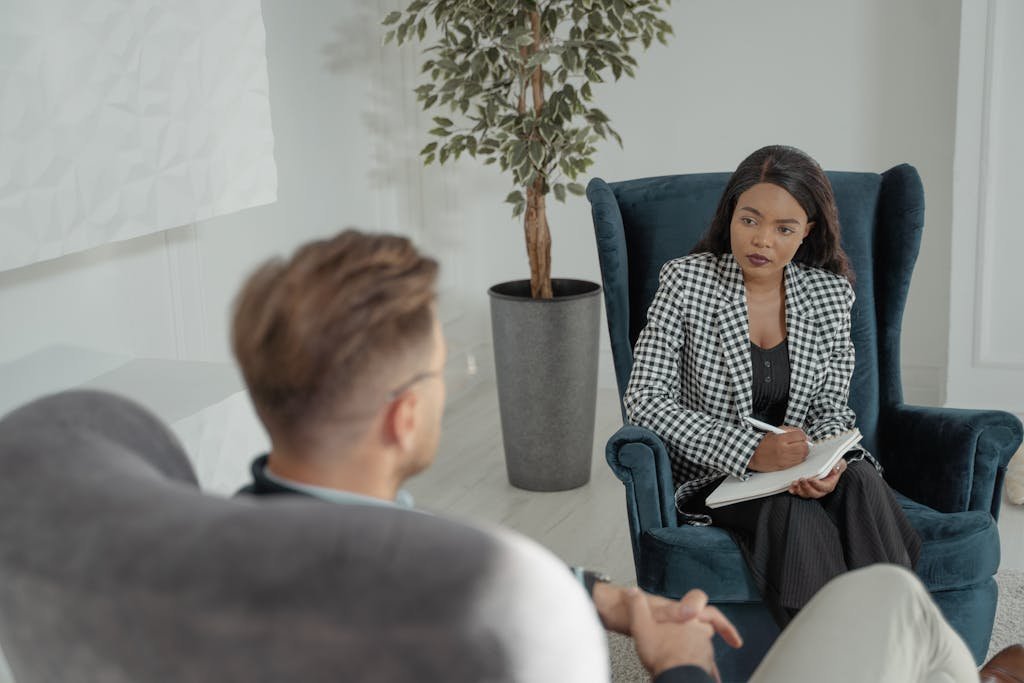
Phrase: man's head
x=342 y=351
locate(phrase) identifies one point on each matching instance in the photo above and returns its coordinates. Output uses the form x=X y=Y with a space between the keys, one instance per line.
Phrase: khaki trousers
x=875 y=624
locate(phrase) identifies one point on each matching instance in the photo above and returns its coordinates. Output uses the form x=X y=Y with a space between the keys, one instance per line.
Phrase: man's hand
x=664 y=645
x=612 y=603
x=818 y=488
x=780 y=451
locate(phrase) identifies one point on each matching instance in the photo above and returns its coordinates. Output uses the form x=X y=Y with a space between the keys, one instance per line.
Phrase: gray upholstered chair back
x=114 y=567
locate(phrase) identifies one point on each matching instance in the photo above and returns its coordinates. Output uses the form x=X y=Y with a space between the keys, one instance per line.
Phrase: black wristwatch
x=592 y=577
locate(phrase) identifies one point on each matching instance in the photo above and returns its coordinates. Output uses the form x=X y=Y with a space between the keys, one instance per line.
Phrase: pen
x=765 y=427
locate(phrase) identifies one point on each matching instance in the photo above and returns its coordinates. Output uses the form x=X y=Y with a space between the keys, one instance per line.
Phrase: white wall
x=860 y=86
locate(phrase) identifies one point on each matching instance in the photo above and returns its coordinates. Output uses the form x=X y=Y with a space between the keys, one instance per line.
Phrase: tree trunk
x=535 y=222
x=538 y=241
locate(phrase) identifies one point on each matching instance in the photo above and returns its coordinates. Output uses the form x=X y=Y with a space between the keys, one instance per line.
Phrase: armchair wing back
x=940 y=460
x=114 y=567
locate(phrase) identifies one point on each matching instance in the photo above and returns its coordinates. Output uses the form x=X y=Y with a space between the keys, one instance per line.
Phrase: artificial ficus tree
x=513 y=80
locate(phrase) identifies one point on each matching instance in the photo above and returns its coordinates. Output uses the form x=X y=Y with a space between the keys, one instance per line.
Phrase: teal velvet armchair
x=947 y=465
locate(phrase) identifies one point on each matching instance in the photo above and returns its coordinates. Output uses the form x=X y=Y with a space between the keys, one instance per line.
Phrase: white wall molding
x=986 y=286
x=986 y=355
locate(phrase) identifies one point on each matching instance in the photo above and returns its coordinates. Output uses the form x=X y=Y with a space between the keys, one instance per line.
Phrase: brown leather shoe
x=1006 y=667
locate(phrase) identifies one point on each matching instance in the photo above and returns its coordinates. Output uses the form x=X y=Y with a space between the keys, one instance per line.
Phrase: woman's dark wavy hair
x=801 y=176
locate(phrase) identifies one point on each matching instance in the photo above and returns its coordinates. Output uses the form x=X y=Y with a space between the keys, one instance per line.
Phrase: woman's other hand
x=818 y=488
x=780 y=451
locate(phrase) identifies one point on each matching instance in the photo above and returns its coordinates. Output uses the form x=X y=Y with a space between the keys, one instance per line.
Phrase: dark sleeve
x=684 y=674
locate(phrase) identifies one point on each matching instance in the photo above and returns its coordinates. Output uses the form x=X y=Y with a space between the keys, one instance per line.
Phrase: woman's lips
x=758 y=260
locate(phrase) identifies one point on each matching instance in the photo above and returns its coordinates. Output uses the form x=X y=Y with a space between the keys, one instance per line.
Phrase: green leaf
x=475 y=62
x=518 y=152
x=514 y=197
x=536 y=152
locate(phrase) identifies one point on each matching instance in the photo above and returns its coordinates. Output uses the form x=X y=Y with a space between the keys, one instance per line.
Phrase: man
x=343 y=355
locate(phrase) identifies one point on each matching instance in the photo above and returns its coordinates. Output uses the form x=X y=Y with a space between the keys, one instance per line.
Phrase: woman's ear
x=807 y=230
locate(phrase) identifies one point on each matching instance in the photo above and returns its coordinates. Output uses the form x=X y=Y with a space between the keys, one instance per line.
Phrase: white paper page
x=822 y=457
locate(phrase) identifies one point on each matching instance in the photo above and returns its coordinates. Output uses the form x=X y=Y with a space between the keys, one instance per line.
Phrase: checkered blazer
x=692 y=378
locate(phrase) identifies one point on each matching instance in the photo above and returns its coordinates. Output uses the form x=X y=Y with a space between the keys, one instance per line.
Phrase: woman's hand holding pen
x=780 y=451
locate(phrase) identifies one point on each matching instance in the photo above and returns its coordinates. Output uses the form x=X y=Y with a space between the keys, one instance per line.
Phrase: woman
x=755 y=322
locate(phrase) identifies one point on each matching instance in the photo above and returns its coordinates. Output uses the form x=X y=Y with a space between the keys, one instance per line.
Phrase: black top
x=261 y=484
x=771 y=382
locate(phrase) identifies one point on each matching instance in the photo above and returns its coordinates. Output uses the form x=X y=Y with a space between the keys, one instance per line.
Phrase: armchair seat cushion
x=679 y=559
x=958 y=550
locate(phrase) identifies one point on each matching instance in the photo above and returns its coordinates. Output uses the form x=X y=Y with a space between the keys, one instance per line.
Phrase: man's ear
x=400 y=421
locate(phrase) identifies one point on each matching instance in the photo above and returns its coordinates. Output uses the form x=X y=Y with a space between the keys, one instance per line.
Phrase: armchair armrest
x=638 y=457
x=949 y=459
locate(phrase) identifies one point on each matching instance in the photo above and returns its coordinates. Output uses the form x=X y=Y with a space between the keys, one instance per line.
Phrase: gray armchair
x=115 y=567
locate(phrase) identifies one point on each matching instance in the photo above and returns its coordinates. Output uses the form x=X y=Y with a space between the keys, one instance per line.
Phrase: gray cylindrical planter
x=545 y=357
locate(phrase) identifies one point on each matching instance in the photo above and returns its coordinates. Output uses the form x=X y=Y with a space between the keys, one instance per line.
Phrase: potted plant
x=511 y=82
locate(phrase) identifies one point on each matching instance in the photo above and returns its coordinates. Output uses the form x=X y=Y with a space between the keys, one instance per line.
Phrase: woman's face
x=767 y=227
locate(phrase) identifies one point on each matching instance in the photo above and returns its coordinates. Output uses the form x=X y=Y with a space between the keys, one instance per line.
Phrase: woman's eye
x=786 y=231
x=747 y=221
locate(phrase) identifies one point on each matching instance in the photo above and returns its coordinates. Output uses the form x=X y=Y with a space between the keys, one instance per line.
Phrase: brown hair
x=310 y=332
x=801 y=176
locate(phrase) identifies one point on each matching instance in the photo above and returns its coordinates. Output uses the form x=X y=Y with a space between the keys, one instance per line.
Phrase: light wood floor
x=586 y=526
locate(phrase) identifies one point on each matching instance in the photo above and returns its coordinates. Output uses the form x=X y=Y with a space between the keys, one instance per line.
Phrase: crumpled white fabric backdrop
x=119 y=118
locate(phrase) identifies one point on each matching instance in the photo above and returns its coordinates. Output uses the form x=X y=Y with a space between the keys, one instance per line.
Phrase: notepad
x=822 y=457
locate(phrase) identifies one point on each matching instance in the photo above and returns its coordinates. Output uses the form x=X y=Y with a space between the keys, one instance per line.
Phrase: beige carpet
x=1008 y=629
